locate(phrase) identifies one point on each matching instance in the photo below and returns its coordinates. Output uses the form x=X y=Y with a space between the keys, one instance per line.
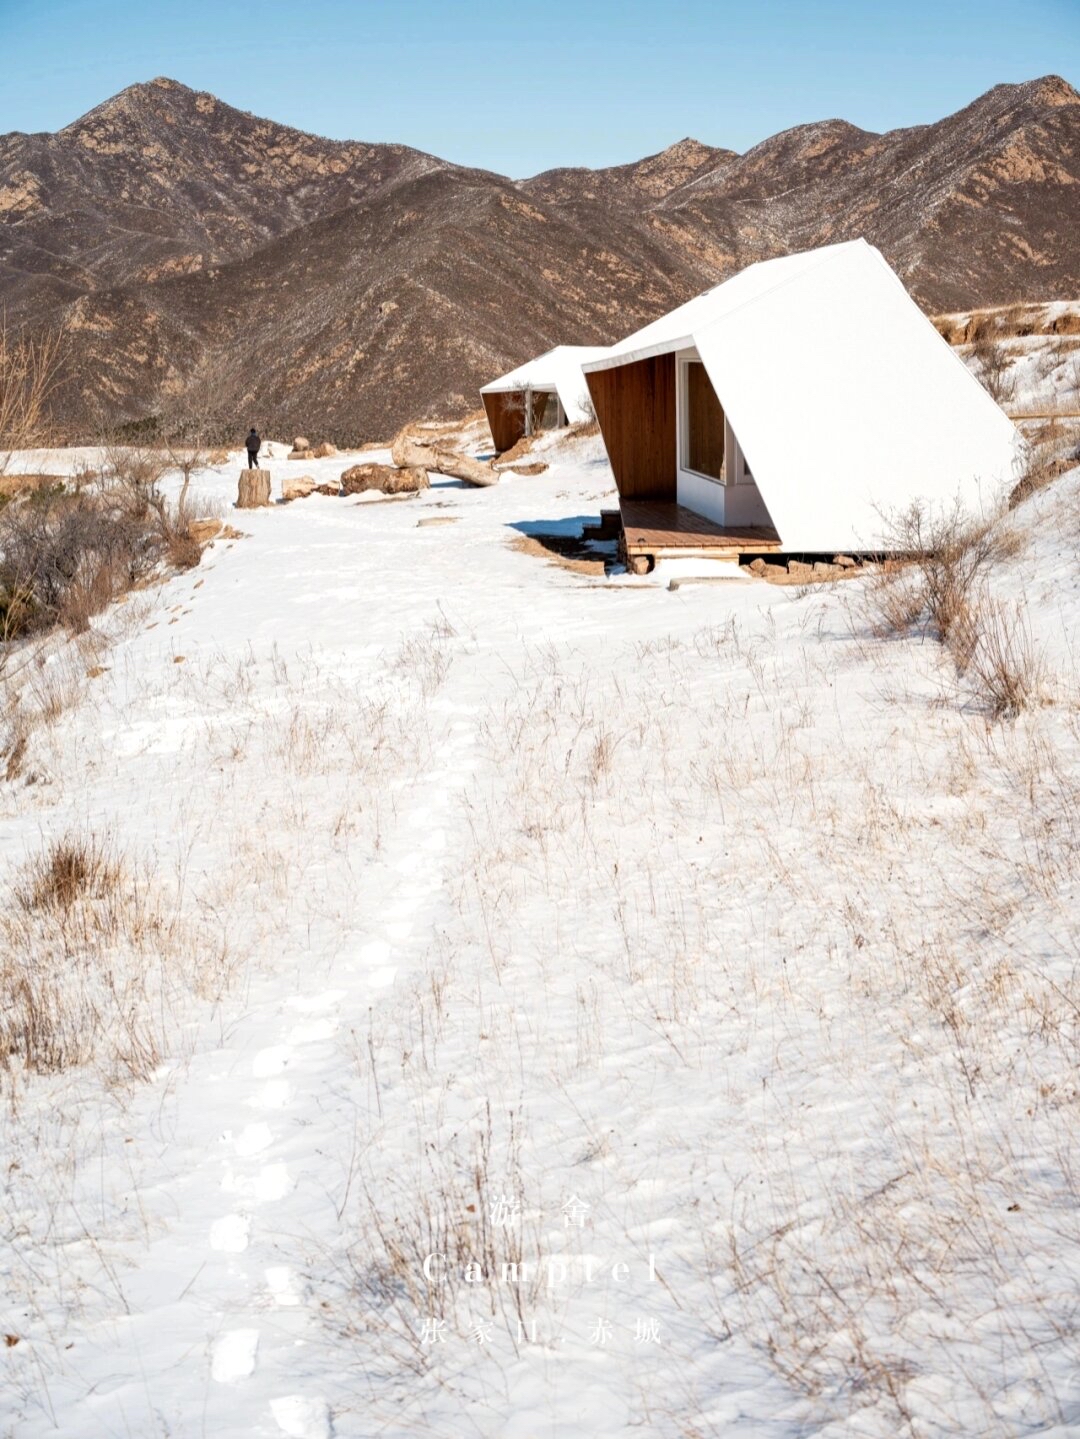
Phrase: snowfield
x=542 y=1004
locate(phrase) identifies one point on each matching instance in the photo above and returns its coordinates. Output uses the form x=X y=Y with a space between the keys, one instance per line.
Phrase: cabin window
x=547 y=411
x=703 y=434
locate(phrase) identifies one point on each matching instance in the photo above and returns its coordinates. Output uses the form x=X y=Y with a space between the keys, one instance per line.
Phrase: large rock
x=254 y=489
x=301 y=443
x=301 y=454
x=324 y=451
x=298 y=488
x=387 y=478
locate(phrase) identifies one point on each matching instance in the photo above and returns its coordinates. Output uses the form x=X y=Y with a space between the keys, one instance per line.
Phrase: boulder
x=328 y=489
x=301 y=455
x=800 y=569
x=300 y=444
x=844 y=561
x=323 y=451
x=387 y=478
x=297 y=489
x=254 y=491
x=757 y=567
x=203 y=531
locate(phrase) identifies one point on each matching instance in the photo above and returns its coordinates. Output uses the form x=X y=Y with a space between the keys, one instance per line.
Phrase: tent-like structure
x=798 y=405
x=543 y=394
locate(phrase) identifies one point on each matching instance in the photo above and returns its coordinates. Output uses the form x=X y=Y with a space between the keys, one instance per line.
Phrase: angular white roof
x=846 y=401
x=559 y=370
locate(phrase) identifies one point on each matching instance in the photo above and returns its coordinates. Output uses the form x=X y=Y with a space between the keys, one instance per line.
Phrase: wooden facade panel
x=506 y=417
x=635 y=408
x=704 y=424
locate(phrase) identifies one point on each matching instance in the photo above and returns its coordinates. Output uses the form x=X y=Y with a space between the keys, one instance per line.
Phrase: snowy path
x=618 y=894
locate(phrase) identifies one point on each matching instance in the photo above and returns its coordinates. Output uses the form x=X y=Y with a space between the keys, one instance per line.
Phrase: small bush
x=66 y=871
x=1049 y=455
x=64 y=558
x=993 y=362
x=1005 y=667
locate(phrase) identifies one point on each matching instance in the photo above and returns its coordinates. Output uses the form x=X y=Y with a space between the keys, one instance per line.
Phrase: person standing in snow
x=253 y=446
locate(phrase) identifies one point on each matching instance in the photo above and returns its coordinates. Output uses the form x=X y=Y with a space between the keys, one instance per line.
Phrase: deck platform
x=666 y=531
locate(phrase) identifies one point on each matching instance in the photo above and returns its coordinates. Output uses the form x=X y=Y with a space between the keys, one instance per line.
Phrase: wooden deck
x=666 y=531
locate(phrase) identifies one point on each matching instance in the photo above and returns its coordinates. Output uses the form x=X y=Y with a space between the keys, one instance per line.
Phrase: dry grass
x=1052 y=450
x=30 y=368
x=1004 y=664
x=93 y=957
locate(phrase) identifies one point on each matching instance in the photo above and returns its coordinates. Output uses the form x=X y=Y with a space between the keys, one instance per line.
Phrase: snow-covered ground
x=705 y=955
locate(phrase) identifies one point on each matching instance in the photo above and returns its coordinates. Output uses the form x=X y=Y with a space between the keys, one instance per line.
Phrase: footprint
x=229 y=1234
x=275 y=1094
x=271 y=1061
x=312 y=1030
x=302 y=1418
x=376 y=951
x=253 y=1139
x=284 y=1286
x=273 y=1183
x=234 y=1355
x=311 y=1004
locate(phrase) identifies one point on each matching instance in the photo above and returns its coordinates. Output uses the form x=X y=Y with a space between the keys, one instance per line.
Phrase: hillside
x=192 y=248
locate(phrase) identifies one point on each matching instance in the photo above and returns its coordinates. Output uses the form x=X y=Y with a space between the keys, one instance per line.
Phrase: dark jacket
x=254 y=444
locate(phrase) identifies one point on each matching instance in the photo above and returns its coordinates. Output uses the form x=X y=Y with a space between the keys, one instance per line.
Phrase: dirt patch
x=536 y=468
x=516 y=452
x=569 y=552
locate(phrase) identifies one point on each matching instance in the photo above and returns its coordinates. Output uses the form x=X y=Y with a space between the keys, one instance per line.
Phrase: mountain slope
x=190 y=247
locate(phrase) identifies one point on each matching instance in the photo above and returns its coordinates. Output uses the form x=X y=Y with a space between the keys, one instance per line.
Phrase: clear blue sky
x=518 y=88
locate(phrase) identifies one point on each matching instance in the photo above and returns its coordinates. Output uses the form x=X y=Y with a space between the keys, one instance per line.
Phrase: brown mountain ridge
x=192 y=250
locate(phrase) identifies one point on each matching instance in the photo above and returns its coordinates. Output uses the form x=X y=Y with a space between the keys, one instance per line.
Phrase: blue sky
x=521 y=88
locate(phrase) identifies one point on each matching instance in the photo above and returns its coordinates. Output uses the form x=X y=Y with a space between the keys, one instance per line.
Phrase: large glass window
x=704 y=427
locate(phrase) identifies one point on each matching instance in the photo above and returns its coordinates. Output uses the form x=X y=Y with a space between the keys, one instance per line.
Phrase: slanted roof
x=559 y=370
x=848 y=404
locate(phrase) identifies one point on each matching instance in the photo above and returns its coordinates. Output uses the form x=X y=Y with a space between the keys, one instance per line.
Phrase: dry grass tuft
x=73 y=868
x=1004 y=664
x=91 y=956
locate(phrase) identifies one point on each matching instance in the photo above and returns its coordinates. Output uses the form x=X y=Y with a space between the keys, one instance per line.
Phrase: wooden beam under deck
x=667 y=531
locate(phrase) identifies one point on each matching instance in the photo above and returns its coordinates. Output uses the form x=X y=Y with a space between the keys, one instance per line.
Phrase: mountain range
x=200 y=257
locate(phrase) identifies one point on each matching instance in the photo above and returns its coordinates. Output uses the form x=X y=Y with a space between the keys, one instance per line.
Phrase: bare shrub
x=1048 y=455
x=136 y=469
x=1004 y=665
x=941 y=559
x=65 y=557
x=894 y=601
x=29 y=372
x=992 y=360
x=995 y=372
